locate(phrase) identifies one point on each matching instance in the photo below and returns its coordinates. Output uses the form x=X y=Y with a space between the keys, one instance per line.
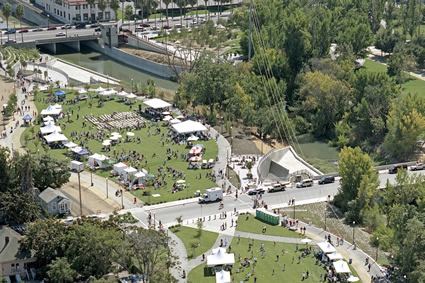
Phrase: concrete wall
x=134 y=61
x=145 y=45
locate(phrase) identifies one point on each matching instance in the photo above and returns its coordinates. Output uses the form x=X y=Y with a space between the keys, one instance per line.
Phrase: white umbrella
x=130 y=134
x=167 y=118
x=166 y=113
x=106 y=143
x=353 y=279
x=114 y=138
x=114 y=133
x=180 y=117
x=82 y=91
x=117 y=136
x=99 y=89
x=305 y=241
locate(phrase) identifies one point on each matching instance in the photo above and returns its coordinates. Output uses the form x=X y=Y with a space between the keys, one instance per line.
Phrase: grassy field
x=253 y=225
x=265 y=265
x=149 y=145
x=191 y=239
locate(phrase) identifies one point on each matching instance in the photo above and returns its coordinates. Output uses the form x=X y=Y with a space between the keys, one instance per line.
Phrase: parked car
x=67 y=26
x=97 y=29
x=11 y=31
x=95 y=25
x=23 y=30
x=277 y=187
x=37 y=29
x=327 y=180
x=52 y=28
x=10 y=41
x=305 y=183
x=145 y=25
x=60 y=34
x=393 y=169
x=80 y=26
x=166 y=27
x=418 y=166
x=155 y=28
x=256 y=191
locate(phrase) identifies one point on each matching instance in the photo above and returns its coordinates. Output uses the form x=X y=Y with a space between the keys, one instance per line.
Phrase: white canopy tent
x=82 y=91
x=341 y=267
x=48 y=119
x=157 y=103
x=76 y=149
x=55 y=137
x=98 y=159
x=222 y=277
x=139 y=177
x=220 y=258
x=128 y=172
x=214 y=251
x=353 y=279
x=99 y=89
x=335 y=256
x=50 y=128
x=193 y=138
x=119 y=168
x=326 y=247
x=189 y=126
x=131 y=96
x=122 y=93
x=57 y=106
x=167 y=118
x=50 y=111
x=107 y=92
x=175 y=121
x=70 y=145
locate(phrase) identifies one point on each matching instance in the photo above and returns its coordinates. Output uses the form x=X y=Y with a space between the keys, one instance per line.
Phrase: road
x=193 y=210
x=46 y=34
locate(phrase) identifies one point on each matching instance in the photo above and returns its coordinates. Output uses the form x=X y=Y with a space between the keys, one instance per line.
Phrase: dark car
x=256 y=191
x=145 y=25
x=80 y=26
x=11 y=31
x=393 y=169
x=97 y=29
x=327 y=180
x=52 y=28
x=96 y=25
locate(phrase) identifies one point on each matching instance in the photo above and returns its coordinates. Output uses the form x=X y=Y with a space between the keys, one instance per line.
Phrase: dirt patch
x=94 y=202
x=6 y=89
x=151 y=56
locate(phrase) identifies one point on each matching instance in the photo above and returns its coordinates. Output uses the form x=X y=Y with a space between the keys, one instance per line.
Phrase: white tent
x=131 y=96
x=193 y=138
x=98 y=159
x=157 y=103
x=50 y=111
x=139 y=177
x=341 y=267
x=119 y=167
x=76 y=149
x=48 y=119
x=167 y=118
x=335 y=256
x=214 y=251
x=82 y=91
x=55 y=137
x=122 y=93
x=107 y=92
x=220 y=258
x=326 y=247
x=57 y=106
x=353 y=279
x=70 y=145
x=50 y=128
x=222 y=277
x=188 y=127
x=175 y=121
x=128 y=172
x=99 y=89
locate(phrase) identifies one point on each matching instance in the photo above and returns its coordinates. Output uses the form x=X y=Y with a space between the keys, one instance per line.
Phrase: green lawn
x=190 y=237
x=253 y=225
x=374 y=66
x=148 y=146
x=264 y=268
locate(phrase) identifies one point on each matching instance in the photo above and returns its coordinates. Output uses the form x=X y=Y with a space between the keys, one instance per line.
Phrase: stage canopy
x=157 y=103
x=50 y=128
x=55 y=137
x=50 y=111
x=189 y=126
x=220 y=258
x=222 y=277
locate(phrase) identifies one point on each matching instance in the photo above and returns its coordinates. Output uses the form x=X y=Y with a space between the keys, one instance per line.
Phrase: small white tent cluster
x=50 y=128
x=98 y=160
x=156 y=103
x=188 y=127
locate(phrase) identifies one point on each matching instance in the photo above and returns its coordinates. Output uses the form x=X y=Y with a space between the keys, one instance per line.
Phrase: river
x=98 y=62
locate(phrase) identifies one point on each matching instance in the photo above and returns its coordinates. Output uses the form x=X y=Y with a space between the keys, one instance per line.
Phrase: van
x=80 y=26
x=305 y=183
x=393 y=169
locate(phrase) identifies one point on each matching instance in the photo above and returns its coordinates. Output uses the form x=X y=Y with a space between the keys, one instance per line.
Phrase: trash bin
x=350 y=261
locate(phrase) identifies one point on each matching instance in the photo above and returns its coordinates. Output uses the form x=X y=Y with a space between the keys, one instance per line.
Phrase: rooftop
x=10 y=251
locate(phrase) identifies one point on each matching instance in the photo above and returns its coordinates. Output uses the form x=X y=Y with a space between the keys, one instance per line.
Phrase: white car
x=67 y=26
x=418 y=166
x=305 y=183
x=60 y=34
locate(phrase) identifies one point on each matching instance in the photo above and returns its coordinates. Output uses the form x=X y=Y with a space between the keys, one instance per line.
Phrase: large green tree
x=61 y=271
x=7 y=12
x=19 y=13
x=115 y=5
x=50 y=172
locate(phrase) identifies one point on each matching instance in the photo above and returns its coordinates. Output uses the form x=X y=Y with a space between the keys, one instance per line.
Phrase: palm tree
x=141 y=4
x=206 y=7
x=192 y=3
x=115 y=5
x=166 y=2
x=102 y=6
x=180 y=4
x=154 y=5
x=7 y=12
x=19 y=13
x=90 y=2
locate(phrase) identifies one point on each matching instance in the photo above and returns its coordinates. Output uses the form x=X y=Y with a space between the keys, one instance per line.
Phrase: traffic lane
x=30 y=36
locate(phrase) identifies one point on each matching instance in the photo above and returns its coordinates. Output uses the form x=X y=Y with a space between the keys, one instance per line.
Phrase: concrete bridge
x=73 y=42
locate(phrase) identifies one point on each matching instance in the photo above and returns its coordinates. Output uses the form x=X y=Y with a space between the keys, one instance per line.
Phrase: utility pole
x=107 y=196
x=79 y=189
x=293 y=203
x=250 y=30
x=377 y=248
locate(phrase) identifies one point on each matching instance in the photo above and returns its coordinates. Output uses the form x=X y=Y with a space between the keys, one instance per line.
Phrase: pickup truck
x=418 y=166
x=277 y=187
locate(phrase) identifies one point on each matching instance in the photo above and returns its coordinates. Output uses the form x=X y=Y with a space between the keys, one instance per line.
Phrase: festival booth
x=97 y=160
x=119 y=168
x=57 y=106
x=55 y=137
x=70 y=145
x=188 y=127
x=130 y=171
x=334 y=256
x=341 y=267
x=156 y=106
x=139 y=178
x=220 y=258
x=174 y=121
x=48 y=119
x=50 y=128
x=222 y=277
x=60 y=94
x=50 y=110
x=27 y=119
x=326 y=247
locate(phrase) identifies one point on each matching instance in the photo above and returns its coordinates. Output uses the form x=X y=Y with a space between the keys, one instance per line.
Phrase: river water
x=98 y=62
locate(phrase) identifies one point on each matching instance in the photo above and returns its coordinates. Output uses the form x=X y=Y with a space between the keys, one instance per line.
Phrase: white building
x=74 y=11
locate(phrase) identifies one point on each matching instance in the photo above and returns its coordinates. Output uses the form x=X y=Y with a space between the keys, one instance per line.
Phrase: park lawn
x=148 y=146
x=264 y=268
x=373 y=66
x=253 y=225
x=189 y=236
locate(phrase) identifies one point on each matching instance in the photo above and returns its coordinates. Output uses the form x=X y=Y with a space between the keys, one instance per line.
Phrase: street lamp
x=79 y=190
x=107 y=81
x=131 y=85
x=293 y=203
x=354 y=223
x=48 y=16
x=107 y=196
x=377 y=248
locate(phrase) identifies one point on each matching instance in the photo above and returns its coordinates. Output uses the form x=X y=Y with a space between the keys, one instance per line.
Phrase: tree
x=19 y=208
x=166 y=3
x=387 y=39
x=19 y=13
x=325 y=99
x=50 y=172
x=179 y=220
x=7 y=12
x=90 y=4
x=102 y=5
x=400 y=62
x=26 y=164
x=180 y=4
x=46 y=75
x=405 y=123
x=412 y=16
x=115 y=5
x=128 y=11
x=353 y=167
x=71 y=85
x=60 y=271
